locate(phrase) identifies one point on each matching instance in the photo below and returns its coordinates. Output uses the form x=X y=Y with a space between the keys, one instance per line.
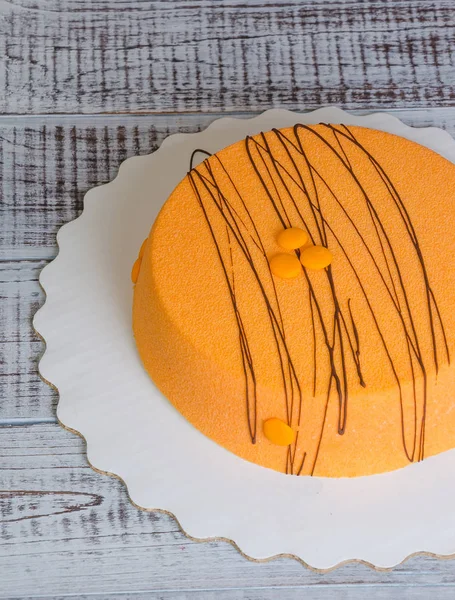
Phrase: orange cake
x=295 y=300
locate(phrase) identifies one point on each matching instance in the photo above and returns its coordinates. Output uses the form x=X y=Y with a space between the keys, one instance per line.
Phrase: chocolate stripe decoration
x=298 y=193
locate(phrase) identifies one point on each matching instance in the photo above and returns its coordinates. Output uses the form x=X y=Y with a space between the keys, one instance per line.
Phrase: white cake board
x=132 y=431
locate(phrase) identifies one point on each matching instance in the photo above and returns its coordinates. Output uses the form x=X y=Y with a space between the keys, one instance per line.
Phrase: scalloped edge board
x=107 y=396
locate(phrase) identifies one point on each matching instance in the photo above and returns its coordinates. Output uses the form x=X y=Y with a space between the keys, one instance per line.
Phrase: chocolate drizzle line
x=294 y=191
x=194 y=153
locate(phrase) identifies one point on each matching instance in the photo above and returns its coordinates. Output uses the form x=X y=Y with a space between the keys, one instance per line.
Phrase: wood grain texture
x=22 y=393
x=208 y=55
x=324 y=593
x=338 y=592
x=47 y=164
x=66 y=529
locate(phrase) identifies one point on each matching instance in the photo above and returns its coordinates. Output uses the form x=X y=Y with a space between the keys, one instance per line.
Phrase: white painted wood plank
x=161 y=55
x=22 y=392
x=65 y=529
x=339 y=592
x=48 y=163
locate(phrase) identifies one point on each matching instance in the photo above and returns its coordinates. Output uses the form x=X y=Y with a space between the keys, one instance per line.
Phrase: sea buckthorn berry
x=292 y=238
x=286 y=266
x=316 y=257
x=135 y=270
x=278 y=432
x=142 y=250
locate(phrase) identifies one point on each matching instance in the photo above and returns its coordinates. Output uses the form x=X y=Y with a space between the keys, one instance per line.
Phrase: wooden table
x=85 y=84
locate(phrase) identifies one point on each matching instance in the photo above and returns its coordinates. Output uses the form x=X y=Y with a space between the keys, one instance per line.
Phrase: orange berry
x=286 y=266
x=135 y=270
x=292 y=238
x=278 y=432
x=316 y=257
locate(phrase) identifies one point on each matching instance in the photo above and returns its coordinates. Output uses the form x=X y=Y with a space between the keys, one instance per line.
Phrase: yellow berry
x=135 y=270
x=316 y=257
x=278 y=432
x=286 y=266
x=292 y=238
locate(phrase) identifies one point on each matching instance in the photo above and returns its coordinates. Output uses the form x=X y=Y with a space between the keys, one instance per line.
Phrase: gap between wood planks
x=24 y=422
x=131 y=115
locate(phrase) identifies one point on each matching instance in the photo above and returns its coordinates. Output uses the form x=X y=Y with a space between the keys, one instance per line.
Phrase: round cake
x=294 y=300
